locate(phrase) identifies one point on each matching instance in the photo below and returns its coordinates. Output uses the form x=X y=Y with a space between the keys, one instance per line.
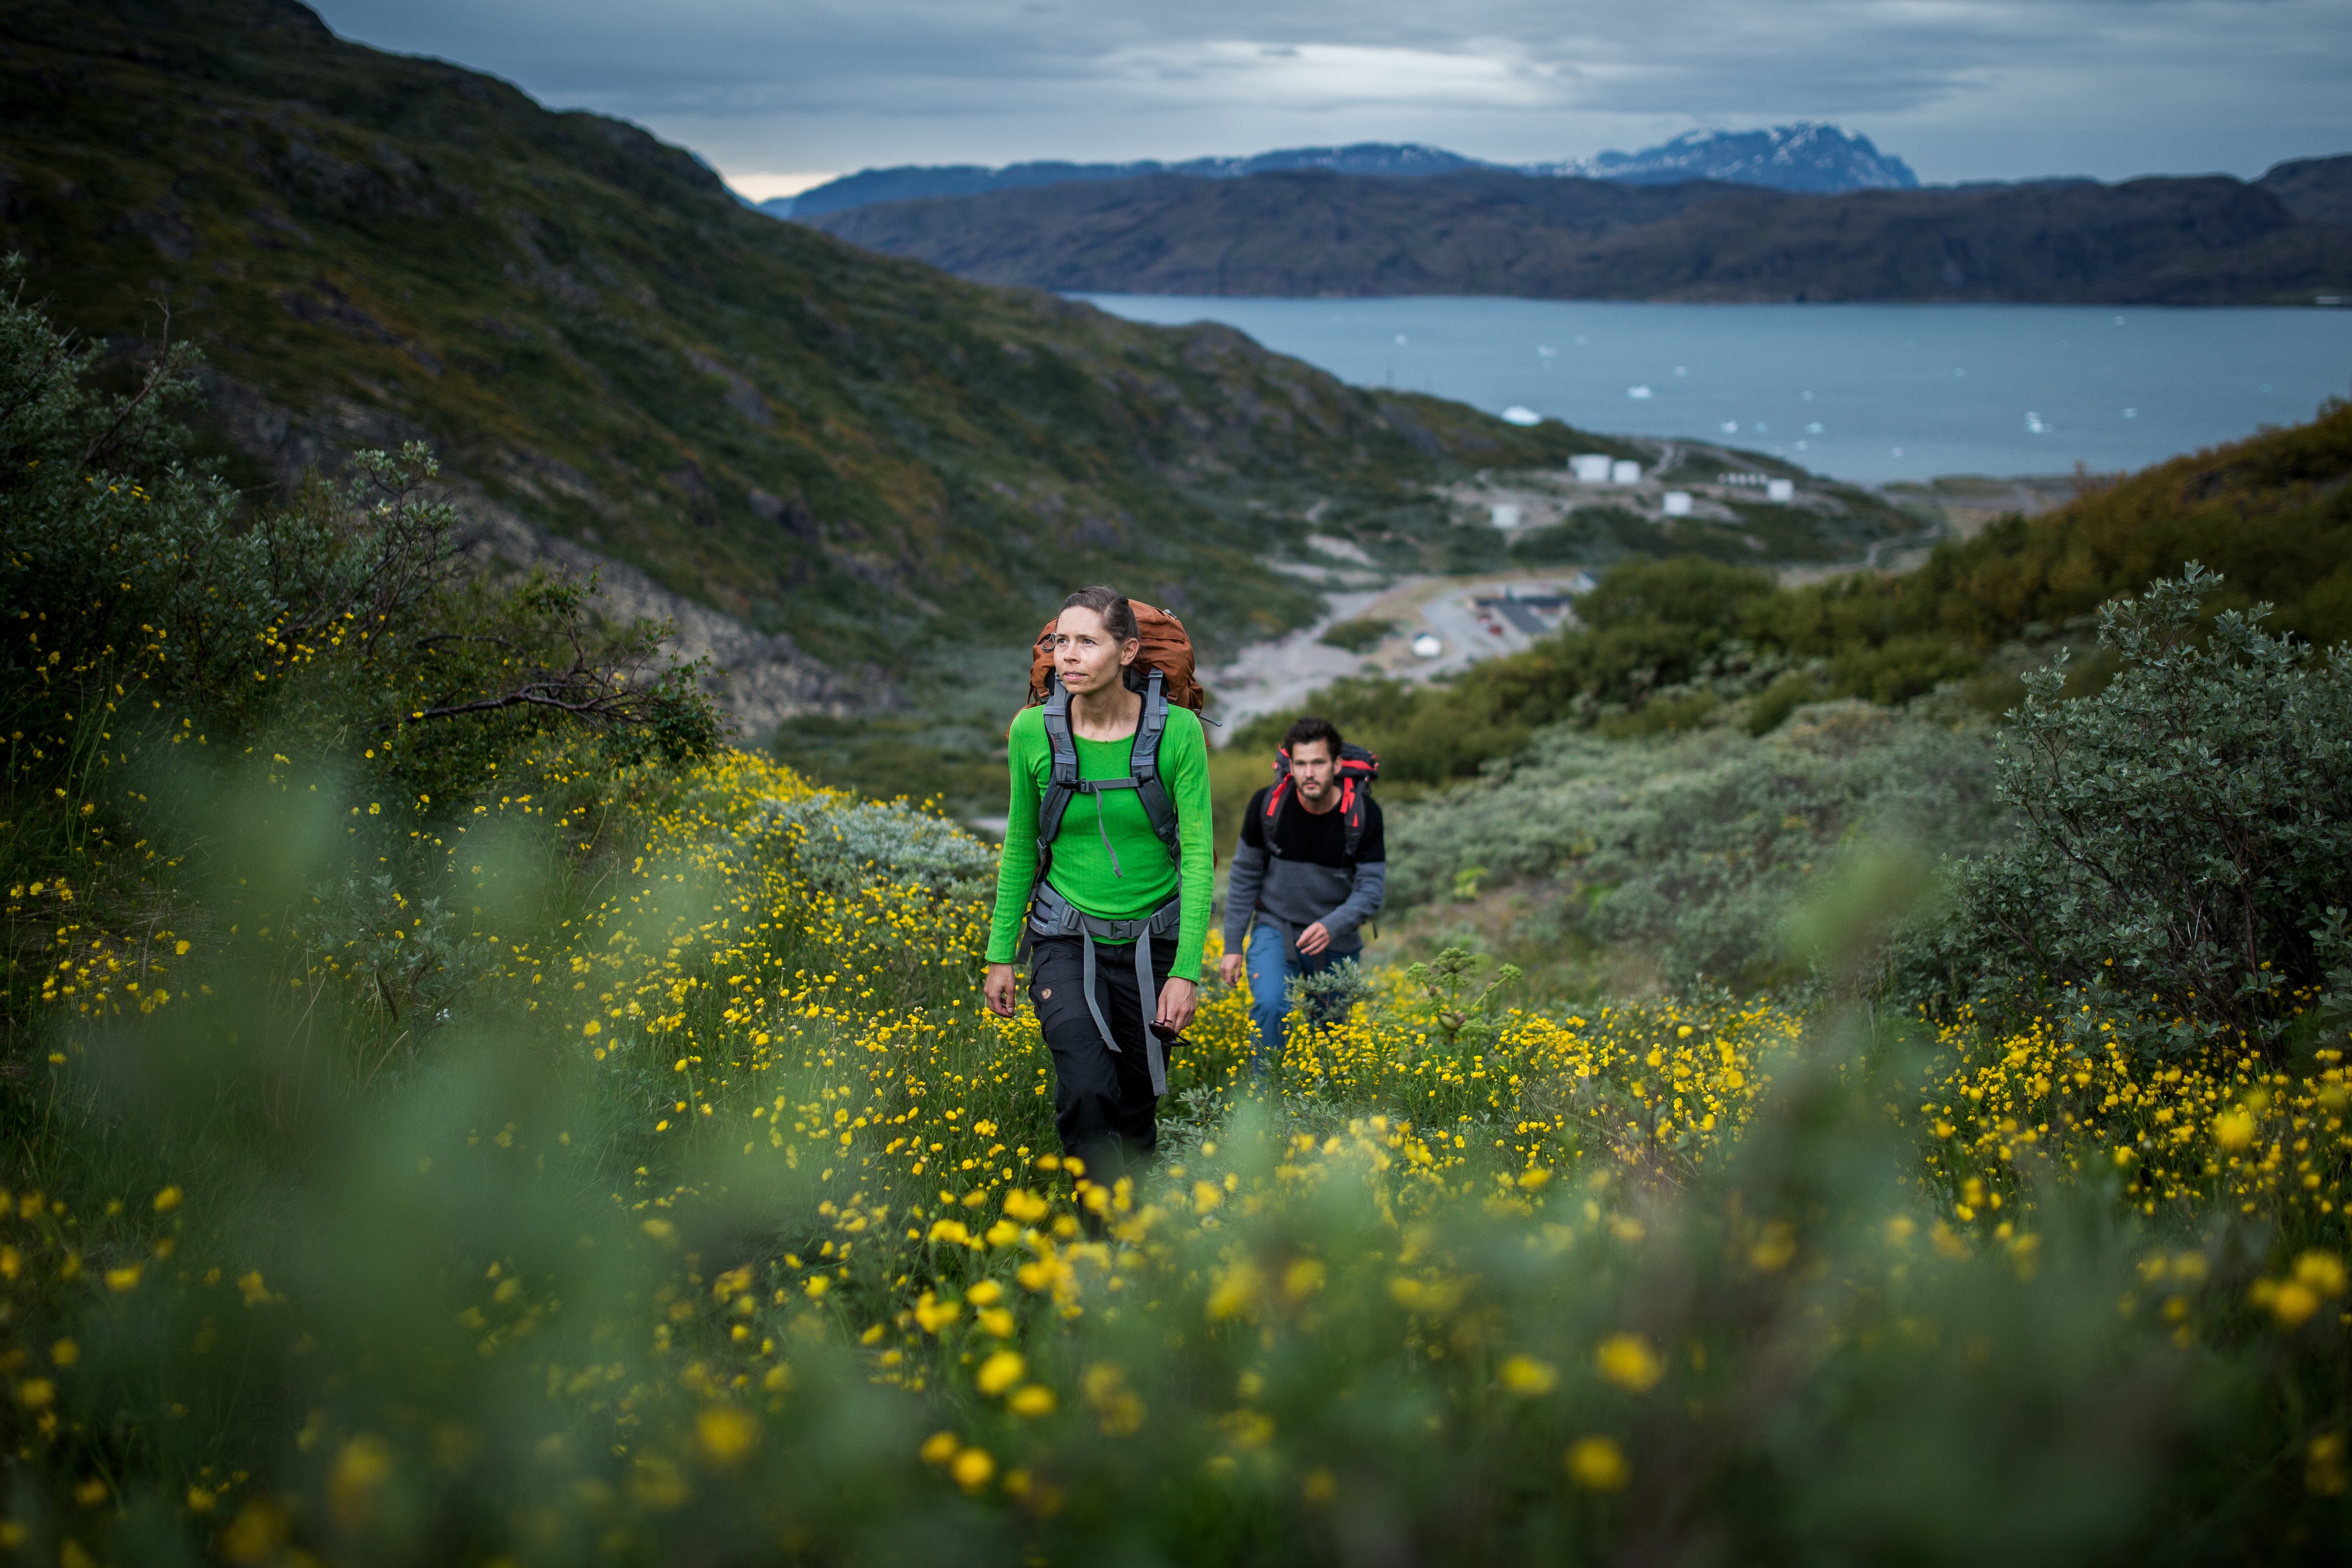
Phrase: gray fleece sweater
x=1293 y=871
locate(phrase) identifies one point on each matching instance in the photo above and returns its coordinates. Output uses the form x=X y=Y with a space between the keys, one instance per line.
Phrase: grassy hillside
x=2182 y=242
x=597 y=338
x=1672 y=645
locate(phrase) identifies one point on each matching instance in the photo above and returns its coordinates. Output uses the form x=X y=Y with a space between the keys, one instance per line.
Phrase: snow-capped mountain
x=1799 y=157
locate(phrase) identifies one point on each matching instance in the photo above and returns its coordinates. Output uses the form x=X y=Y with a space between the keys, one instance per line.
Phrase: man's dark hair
x=1313 y=729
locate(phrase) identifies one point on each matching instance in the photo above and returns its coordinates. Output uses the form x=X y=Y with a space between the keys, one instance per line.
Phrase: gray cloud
x=1964 y=89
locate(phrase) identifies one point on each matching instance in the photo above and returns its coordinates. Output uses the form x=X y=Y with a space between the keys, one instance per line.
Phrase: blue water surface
x=1869 y=393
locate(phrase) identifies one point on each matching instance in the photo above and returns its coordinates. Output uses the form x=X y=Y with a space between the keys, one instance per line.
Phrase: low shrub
x=841 y=843
x=2183 y=833
x=1695 y=846
x=1360 y=635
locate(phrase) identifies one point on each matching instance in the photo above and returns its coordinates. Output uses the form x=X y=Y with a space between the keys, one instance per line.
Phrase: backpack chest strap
x=1099 y=788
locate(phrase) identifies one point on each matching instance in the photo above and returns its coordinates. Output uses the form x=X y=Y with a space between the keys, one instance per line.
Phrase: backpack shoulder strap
x=1351 y=817
x=1275 y=798
x=1144 y=764
x=1062 y=782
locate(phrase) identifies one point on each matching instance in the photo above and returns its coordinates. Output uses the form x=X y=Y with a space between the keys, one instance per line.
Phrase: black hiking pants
x=1103 y=1103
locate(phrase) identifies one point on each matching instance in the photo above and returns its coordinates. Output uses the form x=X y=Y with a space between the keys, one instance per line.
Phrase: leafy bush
x=841 y=843
x=1360 y=635
x=1695 y=848
x=2184 y=833
x=145 y=613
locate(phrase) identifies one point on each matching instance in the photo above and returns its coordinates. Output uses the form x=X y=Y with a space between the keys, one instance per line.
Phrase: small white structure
x=1520 y=413
x=1779 y=490
x=1426 y=645
x=1677 y=503
x=1624 y=473
x=1506 y=515
x=1592 y=468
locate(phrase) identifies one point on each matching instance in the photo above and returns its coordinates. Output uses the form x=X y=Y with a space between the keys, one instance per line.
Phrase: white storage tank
x=1678 y=504
x=1779 y=490
x=1506 y=515
x=1624 y=473
x=1592 y=468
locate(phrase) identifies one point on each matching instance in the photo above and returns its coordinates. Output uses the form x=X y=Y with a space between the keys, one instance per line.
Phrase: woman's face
x=1087 y=656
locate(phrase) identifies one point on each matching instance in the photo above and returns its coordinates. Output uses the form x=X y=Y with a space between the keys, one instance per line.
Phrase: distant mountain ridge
x=913 y=181
x=1803 y=156
x=2206 y=241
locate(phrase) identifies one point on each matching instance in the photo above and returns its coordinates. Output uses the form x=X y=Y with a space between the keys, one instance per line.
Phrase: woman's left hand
x=1177 y=1000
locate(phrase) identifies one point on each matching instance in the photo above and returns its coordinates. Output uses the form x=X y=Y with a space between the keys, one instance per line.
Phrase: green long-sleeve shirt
x=1081 y=871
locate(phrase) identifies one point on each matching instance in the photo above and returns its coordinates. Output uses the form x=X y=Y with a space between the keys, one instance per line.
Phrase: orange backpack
x=1166 y=649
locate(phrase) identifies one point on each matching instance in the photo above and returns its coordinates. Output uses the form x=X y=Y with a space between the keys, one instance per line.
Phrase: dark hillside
x=913 y=181
x=1291 y=232
x=2319 y=189
x=2182 y=242
x=606 y=347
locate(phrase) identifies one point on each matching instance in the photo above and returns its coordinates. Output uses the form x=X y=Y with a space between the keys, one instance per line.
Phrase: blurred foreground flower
x=1596 y=1464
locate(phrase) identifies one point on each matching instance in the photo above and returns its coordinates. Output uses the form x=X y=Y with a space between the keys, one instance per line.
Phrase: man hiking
x=1107 y=869
x=1311 y=869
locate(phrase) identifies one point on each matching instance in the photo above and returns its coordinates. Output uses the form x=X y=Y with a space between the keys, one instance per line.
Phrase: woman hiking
x=1108 y=868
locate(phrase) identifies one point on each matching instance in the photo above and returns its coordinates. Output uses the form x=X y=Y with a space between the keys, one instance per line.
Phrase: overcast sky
x=1961 y=89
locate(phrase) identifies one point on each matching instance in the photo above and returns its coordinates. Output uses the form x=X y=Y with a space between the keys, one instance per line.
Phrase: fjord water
x=1866 y=393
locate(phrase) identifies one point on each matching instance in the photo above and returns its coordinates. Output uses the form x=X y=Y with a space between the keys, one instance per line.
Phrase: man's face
x=1314 y=770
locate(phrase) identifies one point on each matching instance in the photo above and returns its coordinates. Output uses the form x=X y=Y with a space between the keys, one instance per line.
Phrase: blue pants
x=1270 y=974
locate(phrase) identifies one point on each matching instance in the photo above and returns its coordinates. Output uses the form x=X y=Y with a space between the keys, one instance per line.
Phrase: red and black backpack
x=1358 y=769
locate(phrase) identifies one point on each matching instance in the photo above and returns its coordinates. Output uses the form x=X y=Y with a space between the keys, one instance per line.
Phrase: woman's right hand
x=999 y=988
